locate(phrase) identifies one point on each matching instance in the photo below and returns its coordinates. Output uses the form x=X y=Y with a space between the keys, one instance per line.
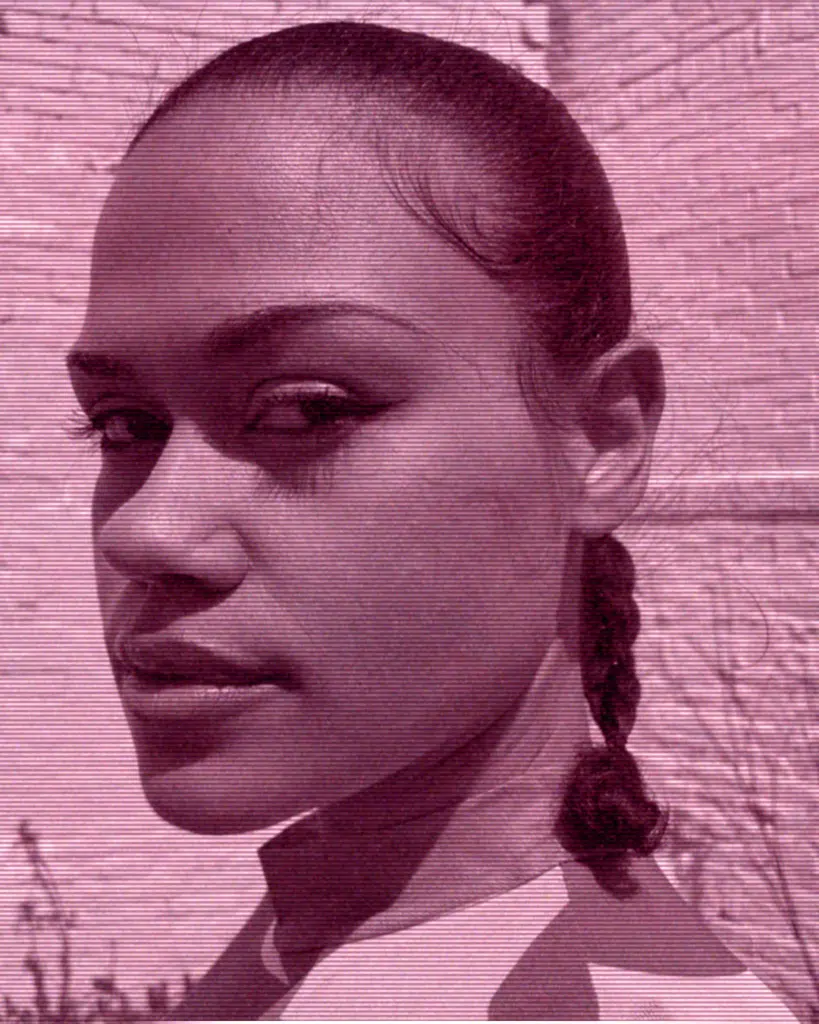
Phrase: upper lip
x=176 y=659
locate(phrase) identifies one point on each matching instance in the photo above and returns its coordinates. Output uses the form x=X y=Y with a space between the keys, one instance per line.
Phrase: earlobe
x=615 y=434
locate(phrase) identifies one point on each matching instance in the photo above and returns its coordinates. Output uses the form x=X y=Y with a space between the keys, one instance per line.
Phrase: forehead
x=222 y=189
x=219 y=174
x=224 y=207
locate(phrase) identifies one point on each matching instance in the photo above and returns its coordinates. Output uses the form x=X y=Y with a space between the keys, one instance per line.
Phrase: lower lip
x=185 y=701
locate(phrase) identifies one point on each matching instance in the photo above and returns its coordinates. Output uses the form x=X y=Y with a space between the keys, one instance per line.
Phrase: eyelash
x=320 y=431
x=82 y=427
x=318 y=399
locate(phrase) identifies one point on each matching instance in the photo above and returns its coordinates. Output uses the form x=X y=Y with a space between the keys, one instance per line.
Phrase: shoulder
x=649 y=956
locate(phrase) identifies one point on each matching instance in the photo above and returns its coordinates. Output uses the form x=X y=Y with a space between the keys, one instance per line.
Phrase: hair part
x=539 y=216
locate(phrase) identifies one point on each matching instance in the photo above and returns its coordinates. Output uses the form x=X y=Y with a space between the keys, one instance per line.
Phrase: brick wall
x=705 y=116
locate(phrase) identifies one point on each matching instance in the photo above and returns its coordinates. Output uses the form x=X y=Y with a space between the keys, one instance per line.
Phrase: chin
x=212 y=803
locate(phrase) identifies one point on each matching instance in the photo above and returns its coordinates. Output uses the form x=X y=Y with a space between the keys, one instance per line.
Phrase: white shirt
x=455 y=967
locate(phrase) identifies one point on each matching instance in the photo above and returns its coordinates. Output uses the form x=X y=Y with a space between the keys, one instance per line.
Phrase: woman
x=357 y=354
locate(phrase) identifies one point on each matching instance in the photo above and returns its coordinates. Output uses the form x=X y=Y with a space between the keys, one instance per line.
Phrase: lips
x=167 y=661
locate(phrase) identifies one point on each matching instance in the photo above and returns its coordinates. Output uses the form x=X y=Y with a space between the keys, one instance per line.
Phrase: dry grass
x=53 y=999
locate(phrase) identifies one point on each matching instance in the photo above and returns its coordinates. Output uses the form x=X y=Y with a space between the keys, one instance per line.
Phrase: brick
x=799 y=151
x=19 y=303
x=22 y=72
x=802 y=264
x=757 y=223
x=767 y=293
x=49 y=323
x=657 y=89
x=68 y=282
x=67 y=148
x=802 y=20
x=17 y=256
x=49 y=54
x=30 y=230
x=222 y=21
x=604 y=21
x=43 y=102
x=709 y=37
x=78 y=32
x=691 y=10
x=740 y=46
x=93 y=82
x=804 y=214
x=84 y=180
x=695 y=70
x=799 y=312
x=60 y=208
x=64 y=9
x=788 y=74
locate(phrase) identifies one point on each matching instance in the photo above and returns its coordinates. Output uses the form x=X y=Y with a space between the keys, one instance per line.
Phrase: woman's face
x=329 y=540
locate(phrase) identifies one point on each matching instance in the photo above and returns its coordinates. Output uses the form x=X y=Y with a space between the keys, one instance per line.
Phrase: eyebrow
x=237 y=334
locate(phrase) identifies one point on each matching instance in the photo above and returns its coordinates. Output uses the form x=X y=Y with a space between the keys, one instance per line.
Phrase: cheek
x=446 y=565
x=427 y=622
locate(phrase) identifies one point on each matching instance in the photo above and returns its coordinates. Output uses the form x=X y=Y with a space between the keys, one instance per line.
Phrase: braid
x=606 y=813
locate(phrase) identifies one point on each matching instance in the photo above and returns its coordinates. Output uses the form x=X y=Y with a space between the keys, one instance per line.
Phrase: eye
x=118 y=429
x=303 y=407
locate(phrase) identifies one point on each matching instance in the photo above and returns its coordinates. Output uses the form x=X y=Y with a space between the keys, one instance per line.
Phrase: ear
x=610 y=444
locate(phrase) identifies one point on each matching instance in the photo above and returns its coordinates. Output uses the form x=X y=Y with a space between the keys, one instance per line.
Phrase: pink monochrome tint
x=380 y=508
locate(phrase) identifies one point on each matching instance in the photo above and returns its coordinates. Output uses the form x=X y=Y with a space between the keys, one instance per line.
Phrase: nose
x=177 y=524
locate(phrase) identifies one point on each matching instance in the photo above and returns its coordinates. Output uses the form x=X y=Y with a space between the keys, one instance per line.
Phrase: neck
x=440 y=834
x=536 y=737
